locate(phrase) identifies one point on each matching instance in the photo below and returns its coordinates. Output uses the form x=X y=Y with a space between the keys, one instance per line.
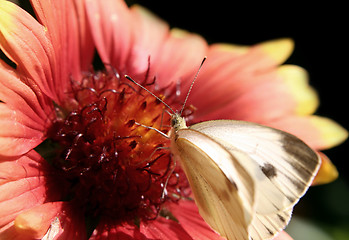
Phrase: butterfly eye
x=174 y=121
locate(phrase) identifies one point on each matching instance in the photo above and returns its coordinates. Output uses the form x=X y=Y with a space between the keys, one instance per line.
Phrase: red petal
x=165 y=229
x=109 y=230
x=188 y=216
x=160 y=228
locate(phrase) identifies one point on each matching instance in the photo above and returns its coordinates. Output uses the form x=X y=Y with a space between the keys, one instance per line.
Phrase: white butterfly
x=246 y=178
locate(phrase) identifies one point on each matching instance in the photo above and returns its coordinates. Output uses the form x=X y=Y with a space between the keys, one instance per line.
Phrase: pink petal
x=237 y=92
x=112 y=25
x=25 y=42
x=86 y=45
x=240 y=95
x=174 y=66
x=15 y=168
x=188 y=216
x=18 y=95
x=22 y=186
x=283 y=236
x=126 y=38
x=71 y=36
x=244 y=83
x=265 y=55
x=17 y=133
x=318 y=132
x=48 y=54
x=148 y=36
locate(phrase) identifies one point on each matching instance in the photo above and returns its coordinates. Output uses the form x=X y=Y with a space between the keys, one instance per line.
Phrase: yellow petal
x=296 y=79
x=327 y=172
x=179 y=33
x=7 y=7
x=232 y=48
x=182 y=34
x=34 y=222
x=331 y=133
x=279 y=49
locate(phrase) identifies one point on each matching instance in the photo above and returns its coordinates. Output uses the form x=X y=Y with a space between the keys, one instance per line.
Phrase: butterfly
x=246 y=178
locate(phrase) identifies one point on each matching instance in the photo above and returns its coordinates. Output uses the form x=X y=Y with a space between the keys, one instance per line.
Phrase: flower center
x=106 y=162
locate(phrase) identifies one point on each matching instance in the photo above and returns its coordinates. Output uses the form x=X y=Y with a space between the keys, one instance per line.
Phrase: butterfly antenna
x=139 y=85
x=191 y=86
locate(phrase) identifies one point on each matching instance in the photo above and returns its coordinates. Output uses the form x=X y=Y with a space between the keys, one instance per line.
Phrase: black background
x=320 y=32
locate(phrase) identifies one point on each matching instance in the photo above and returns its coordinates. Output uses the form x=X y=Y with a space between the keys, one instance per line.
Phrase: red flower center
x=107 y=163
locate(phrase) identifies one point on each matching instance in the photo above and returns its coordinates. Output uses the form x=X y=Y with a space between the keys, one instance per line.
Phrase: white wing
x=223 y=190
x=265 y=226
x=283 y=167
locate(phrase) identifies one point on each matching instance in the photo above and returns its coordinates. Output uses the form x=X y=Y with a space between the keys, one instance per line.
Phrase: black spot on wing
x=269 y=170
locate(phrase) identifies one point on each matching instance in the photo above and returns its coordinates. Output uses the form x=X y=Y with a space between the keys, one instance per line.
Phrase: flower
x=99 y=172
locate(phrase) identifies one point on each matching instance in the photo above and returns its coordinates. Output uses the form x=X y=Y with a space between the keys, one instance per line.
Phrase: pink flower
x=98 y=172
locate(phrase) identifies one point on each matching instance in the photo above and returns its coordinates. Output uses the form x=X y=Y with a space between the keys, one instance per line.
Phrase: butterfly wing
x=225 y=199
x=283 y=167
x=266 y=226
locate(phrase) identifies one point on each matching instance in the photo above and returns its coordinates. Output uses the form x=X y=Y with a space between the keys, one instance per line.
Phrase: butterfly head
x=177 y=122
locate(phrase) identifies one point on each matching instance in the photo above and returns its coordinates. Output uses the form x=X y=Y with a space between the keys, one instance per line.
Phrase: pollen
x=109 y=162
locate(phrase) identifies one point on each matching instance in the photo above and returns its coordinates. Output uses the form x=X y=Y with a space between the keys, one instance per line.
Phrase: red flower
x=99 y=172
